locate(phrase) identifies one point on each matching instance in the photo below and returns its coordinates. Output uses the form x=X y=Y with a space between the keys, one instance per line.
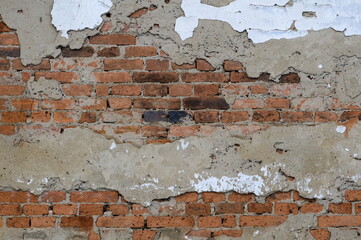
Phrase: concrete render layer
x=322 y=160
x=305 y=54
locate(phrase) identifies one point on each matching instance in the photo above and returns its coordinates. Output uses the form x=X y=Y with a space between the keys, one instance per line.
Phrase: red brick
x=290 y=78
x=187 y=197
x=138 y=209
x=224 y=208
x=102 y=90
x=144 y=235
x=266 y=116
x=91 y=209
x=154 y=131
x=77 y=53
x=9 y=39
x=7 y=130
x=43 y=222
x=77 y=89
x=340 y=208
x=25 y=76
x=155 y=103
x=345 y=116
x=40 y=116
x=94 y=197
x=92 y=104
x=155 y=90
x=204 y=77
x=10 y=209
x=65 y=117
x=357 y=208
x=297 y=116
x=63 y=77
x=200 y=233
x=260 y=207
x=229 y=233
x=137 y=51
x=183 y=131
x=286 y=208
x=123 y=64
x=113 y=39
x=13 y=117
x=121 y=222
x=242 y=77
x=320 y=234
x=249 y=103
x=109 y=52
x=232 y=66
x=118 y=209
x=94 y=236
x=178 y=221
x=25 y=104
x=233 y=117
x=262 y=221
x=285 y=89
x=258 y=89
x=4 y=27
x=120 y=103
x=204 y=65
x=339 y=221
x=88 y=117
x=138 y=13
x=18 y=222
x=206 y=90
x=112 y=77
x=53 y=196
x=279 y=196
x=8 y=90
x=3 y=105
x=209 y=222
x=212 y=197
x=30 y=209
x=161 y=77
x=237 y=197
x=277 y=103
x=67 y=104
x=65 y=209
x=6 y=52
x=198 y=209
x=77 y=222
x=4 y=64
x=311 y=208
x=326 y=117
x=180 y=90
x=127 y=129
x=206 y=117
x=157 y=65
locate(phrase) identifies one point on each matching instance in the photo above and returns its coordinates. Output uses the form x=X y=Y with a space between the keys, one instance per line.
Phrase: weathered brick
x=118 y=209
x=112 y=77
x=4 y=64
x=198 y=209
x=229 y=233
x=204 y=65
x=232 y=66
x=326 y=117
x=206 y=117
x=155 y=90
x=260 y=207
x=43 y=222
x=227 y=208
x=197 y=103
x=233 y=117
x=137 y=51
x=116 y=117
x=66 y=104
x=7 y=130
x=311 y=208
x=13 y=117
x=102 y=90
x=187 y=197
x=44 y=65
x=18 y=222
x=157 y=103
x=10 y=90
x=161 y=77
x=340 y=208
x=154 y=131
x=9 y=52
x=10 y=209
x=38 y=209
x=278 y=103
x=155 y=116
x=77 y=222
x=25 y=104
x=4 y=27
x=120 y=103
x=262 y=221
x=88 y=117
x=258 y=89
x=176 y=221
x=53 y=196
x=63 y=77
x=144 y=235
x=242 y=77
x=345 y=116
x=126 y=90
x=78 y=53
x=157 y=65
x=109 y=52
x=290 y=78
x=121 y=222
x=178 y=116
x=212 y=197
x=123 y=64
x=286 y=208
x=209 y=222
x=180 y=90
x=339 y=221
x=9 y=39
x=204 y=77
x=206 y=90
x=237 y=197
x=183 y=131
x=278 y=196
x=266 y=116
x=91 y=209
x=94 y=197
x=297 y=116
x=113 y=39
x=77 y=90
x=65 y=209
x=320 y=234
x=185 y=66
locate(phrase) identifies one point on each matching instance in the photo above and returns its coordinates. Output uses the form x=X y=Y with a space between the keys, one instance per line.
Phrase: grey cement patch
x=321 y=160
x=44 y=89
x=48 y=234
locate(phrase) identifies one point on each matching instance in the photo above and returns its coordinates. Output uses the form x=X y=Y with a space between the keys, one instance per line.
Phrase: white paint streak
x=241 y=183
x=341 y=129
x=78 y=14
x=113 y=146
x=184 y=144
x=273 y=19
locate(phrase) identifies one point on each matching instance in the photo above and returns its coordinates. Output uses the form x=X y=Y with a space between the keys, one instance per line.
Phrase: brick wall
x=201 y=215
x=115 y=86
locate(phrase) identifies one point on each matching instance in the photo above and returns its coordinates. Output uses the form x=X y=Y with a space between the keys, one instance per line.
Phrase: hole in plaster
x=167 y=1
x=108 y=15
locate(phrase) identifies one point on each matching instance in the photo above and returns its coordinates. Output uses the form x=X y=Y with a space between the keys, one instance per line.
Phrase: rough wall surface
x=113 y=127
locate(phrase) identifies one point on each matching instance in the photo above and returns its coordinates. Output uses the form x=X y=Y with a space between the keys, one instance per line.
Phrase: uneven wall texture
x=180 y=119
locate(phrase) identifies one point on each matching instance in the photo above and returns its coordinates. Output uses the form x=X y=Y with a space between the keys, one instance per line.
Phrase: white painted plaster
x=274 y=19
x=341 y=129
x=78 y=14
x=113 y=146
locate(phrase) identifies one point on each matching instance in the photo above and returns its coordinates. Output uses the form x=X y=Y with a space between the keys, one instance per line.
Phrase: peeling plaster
x=315 y=158
x=78 y=14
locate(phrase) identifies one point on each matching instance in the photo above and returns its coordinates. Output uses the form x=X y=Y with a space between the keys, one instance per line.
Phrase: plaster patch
x=78 y=14
x=276 y=19
x=340 y=129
